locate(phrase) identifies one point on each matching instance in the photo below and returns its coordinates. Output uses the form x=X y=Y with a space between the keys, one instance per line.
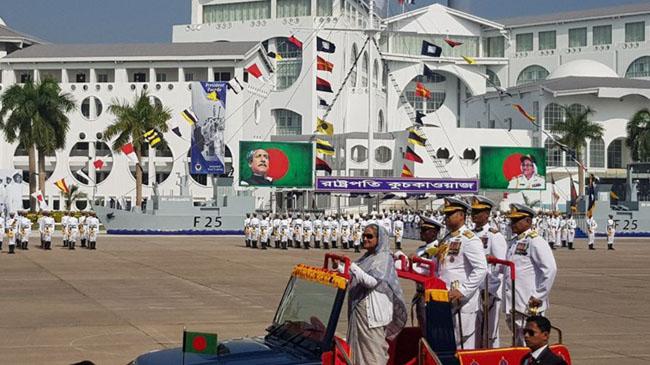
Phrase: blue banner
x=396 y=185
x=208 y=144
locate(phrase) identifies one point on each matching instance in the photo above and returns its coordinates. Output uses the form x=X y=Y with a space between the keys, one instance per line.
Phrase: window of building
x=493 y=79
x=495 y=47
x=90 y=151
x=411 y=44
x=524 y=42
x=383 y=154
x=287 y=122
x=222 y=76
x=382 y=173
x=364 y=70
x=161 y=77
x=553 y=153
x=435 y=84
x=602 y=35
x=375 y=75
x=139 y=77
x=547 y=40
x=80 y=77
x=553 y=113
x=359 y=153
x=25 y=77
x=469 y=154
x=635 y=32
x=597 y=153
x=102 y=78
x=615 y=155
x=442 y=153
x=293 y=8
x=21 y=162
x=639 y=68
x=578 y=37
x=381 y=124
x=532 y=74
x=324 y=7
x=91 y=108
x=359 y=172
x=237 y=11
x=492 y=123
x=353 y=72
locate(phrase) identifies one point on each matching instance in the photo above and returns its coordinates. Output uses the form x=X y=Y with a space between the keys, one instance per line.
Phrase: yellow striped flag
x=324 y=147
x=189 y=116
x=152 y=137
x=324 y=127
x=62 y=186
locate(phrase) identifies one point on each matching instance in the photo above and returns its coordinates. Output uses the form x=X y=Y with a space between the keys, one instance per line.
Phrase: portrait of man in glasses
x=529 y=178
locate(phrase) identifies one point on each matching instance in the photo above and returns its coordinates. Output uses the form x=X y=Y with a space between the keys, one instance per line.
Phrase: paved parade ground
x=135 y=294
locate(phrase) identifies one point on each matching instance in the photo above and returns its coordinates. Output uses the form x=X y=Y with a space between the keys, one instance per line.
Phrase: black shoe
x=591 y=247
x=610 y=247
x=571 y=246
x=345 y=245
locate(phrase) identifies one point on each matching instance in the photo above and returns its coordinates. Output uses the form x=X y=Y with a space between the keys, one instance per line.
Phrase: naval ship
x=178 y=214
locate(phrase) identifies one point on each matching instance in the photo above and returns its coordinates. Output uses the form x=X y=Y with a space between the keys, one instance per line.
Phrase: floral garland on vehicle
x=319 y=275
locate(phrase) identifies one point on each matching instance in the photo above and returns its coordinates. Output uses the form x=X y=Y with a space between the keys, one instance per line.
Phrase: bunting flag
x=452 y=43
x=324 y=147
x=322 y=103
x=469 y=60
x=62 y=186
x=295 y=42
x=574 y=196
x=189 y=116
x=591 y=190
x=323 y=166
x=81 y=173
x=323 y=85
x=98 y=163
x=323 y=45
x=235 y=85
x=555 y=196
x=416 y=137
x=520 y=109
x=42 y=204
x=254 y=70
x=324 y=127
x=427 y=72
x=418 y=118
x=129 y=151
x=177 y=131
x=430 y=49
x=152 y=137
x=406 y=172
x=422 y=91
x=411 y=155
x=275 y=56
x=323 y=65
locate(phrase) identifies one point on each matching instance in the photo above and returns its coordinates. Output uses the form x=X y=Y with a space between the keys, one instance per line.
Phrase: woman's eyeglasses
x=368 y=236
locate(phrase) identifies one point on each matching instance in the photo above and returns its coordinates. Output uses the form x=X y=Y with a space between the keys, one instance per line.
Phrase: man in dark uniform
x=536 y=335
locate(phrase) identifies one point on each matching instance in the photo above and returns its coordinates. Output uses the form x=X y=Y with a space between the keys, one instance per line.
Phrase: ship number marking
x=207 y=222
x=628 y=224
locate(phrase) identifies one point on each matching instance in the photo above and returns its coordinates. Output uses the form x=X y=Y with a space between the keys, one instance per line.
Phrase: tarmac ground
x=135 y=294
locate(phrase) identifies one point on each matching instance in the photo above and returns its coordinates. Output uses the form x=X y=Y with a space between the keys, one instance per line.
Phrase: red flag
x=128 y=150
x=254 y=70
x=322 y=165
x=520 y=109
x=323 y=85
x=453 y=43
x=323 y=64
x=295 y=42
x=406 y=172
x=412 y=156
x=422 y=91
x=98 y=164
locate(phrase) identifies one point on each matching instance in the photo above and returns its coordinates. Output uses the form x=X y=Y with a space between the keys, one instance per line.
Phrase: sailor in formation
x=285 y=231
x=571 y=226
x=46 y=228
x=563 y=230
x=591 y=230
x=276 y=231
x=398 y=229
x=64 y=228
x=461 y=264
x=3 y=228
x=334 y=232
x=553 y=225
x=12 y=229
x=318 y=231
x=82 y=230
x=306 y=232
x=344 y=226
x=255 y=230
x=247 y=230
x=535 y=271
x=611 y=231
x=494 y=245
x=93 y=230
x=265 y=232
x=73 y=231
x=25 y=230
x=297 y=231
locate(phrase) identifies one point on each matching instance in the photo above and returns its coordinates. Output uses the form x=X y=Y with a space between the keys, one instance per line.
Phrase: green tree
x=574 y=131
x=131 y=122
x=34 y=115
x=638 y=135
x=72 y=196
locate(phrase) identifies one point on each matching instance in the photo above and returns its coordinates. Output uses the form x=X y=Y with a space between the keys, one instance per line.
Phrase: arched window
x=359 y=153
x=384 y=78
x=615 y=154
x=469 y=154
x=442 y=153
x=375 y=75
x=639 y=68
x=289 y=67
x=364 y=70
x=287 y=122
x=492 y=80
x=383 y=154
x=353 y=73
x=553 y=153
x=577 y=109
x=553 y=113
x=597 y=153
x=435 y=84
x=532 y=74
x=381 y=124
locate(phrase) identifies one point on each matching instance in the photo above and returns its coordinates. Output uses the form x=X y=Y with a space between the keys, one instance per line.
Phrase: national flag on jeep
x=411 y=155
x=323 y=45
x=323 y=85
x=406 y=172
x=323 y=166
x=323 y=65
x=422 y=91
x=200 y=343
x=295 y=42
x=416 y=137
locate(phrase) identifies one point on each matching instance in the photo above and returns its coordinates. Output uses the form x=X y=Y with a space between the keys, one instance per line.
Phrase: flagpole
x=184 y=334
x=370 y=34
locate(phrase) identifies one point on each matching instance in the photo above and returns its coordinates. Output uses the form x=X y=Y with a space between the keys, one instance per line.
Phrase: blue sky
x=142 y=21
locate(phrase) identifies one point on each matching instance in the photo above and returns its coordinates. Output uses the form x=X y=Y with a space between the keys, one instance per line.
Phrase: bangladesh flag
x=200 y=343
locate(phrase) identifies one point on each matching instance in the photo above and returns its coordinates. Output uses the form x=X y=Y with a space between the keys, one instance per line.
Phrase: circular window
x=287 y=69
x=359 y=153
x=469 y=154
x=430 y=97
x=383 y=154
x=99 y=135
x=21 y=162
x=91 y=108
x=81 y=204
x=90 y=162
x=82 y=135
x=163 y=164
x=442 y=153
x=257 y=112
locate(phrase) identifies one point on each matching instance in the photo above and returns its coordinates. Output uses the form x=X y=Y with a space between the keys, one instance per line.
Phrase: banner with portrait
x=208 y=145
x=11 y=190
x=276 y=164
x=512 y=168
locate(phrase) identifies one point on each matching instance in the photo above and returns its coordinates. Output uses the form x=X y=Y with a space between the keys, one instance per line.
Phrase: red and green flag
x=200 y=343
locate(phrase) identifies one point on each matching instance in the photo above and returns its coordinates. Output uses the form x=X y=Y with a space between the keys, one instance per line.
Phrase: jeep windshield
x=304 y=313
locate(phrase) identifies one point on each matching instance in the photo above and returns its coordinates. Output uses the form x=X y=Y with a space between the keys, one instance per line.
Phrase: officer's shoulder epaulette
x=494 y=230
x=532 y=234
x=468 y=234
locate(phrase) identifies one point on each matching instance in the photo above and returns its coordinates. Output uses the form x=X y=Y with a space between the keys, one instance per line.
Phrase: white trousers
x=468 y=321
x=493 y=324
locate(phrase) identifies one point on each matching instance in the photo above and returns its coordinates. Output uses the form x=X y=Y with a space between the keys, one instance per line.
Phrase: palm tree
x=72 y=196
x=35 y=116
x=638 y=135
x=574 y=131
x=131 y=122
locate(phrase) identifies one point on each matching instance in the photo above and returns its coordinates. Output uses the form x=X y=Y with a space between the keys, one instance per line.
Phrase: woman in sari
x=376 y=308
